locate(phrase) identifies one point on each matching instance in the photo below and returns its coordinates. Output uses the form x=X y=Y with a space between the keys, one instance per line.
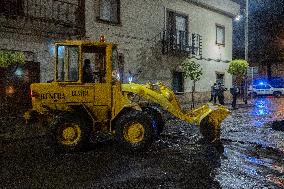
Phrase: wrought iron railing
x=181 y=42
x=63 y=13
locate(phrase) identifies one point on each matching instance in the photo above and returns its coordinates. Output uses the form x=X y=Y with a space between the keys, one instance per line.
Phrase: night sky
x=266 y=32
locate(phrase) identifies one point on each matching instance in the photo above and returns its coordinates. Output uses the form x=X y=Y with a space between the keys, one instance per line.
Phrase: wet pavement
x=253 y=158
x=254 y=151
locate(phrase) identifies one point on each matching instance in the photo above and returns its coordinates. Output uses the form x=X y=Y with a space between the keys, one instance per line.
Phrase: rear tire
x=134 y=131
x=69 y=133
x=277 y=94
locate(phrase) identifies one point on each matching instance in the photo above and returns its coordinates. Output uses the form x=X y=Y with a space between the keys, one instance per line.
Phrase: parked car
x=265 y=89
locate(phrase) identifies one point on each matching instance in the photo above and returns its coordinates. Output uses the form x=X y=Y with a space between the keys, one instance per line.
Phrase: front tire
x=134 y=131
x=69 y=133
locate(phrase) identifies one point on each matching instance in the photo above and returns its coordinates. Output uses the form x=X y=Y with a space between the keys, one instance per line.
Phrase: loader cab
x=85 y=70
x=86 y=62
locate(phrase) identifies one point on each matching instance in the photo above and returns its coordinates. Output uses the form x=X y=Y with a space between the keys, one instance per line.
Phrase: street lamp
x=246 y=30
x=246 y=51
x=238 y=18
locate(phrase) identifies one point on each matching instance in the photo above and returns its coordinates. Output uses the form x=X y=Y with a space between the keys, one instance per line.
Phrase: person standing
x=234 y=91
x=220 y=93
x=87 y=72
x=213 y=93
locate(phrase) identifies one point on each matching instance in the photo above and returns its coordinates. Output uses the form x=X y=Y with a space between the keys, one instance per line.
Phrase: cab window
x=67 y=63
x=117 y=67
x=94 y=64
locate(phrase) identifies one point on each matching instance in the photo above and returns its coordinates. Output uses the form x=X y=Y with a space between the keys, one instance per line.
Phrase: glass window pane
x=220 y=32
x=93 y=64
x=68 y=57
x=109 y=10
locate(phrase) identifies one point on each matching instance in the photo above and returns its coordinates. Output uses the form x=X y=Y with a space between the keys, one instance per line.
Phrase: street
x=253 y=158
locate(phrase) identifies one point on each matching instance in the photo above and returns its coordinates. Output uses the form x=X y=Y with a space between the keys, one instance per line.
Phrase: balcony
x=181 y=43
x=45 y=17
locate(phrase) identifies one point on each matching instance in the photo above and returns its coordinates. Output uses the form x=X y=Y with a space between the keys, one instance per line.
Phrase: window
x=220 y=78
x=94 y=69
x=12 y=7
x=110 y=11
x=178 y=82
x=67 y=63
x=262 y=87
x=220 y=35
x=177 y=29
x=117 y=65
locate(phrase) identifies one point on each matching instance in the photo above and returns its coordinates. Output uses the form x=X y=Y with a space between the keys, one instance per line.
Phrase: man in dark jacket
x=234 y=91
x=213 y=93
x=220 y=93
x=87 y=72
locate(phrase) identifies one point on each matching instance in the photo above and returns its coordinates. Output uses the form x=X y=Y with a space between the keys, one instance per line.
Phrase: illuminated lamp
x=102 y=39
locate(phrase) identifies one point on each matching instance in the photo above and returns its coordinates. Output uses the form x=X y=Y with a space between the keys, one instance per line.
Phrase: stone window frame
x=99 y=19
x=222 y=27
x=221 y=73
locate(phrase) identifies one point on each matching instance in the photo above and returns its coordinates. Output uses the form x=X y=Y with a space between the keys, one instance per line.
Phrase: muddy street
x=254 y=151
x=253 y=158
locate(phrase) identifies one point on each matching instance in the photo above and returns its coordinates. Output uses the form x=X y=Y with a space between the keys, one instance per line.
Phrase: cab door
x=70 y=88
x=96 y=74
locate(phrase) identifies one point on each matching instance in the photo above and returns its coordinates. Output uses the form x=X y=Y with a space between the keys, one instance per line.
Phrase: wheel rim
x=70 y=134
x=134 y=133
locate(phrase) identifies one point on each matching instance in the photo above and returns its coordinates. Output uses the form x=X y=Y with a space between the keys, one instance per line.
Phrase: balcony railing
x=46 y=15
x=182 y=43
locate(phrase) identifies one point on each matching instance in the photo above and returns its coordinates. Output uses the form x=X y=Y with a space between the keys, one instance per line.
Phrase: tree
x=238 y=68
x=8 y=58
x=193 y=71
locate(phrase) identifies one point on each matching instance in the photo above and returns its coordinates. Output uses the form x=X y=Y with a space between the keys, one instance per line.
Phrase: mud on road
x=253 y=158
x=174 y=161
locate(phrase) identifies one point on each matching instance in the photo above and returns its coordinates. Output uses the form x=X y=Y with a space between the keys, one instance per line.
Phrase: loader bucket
x=209 y=118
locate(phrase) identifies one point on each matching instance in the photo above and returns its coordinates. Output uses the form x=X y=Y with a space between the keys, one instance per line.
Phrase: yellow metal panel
x=79 y=93
x=119 y=101
x=102 y=94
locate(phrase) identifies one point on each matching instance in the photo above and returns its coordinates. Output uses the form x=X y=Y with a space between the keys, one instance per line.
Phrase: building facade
x=153 y=37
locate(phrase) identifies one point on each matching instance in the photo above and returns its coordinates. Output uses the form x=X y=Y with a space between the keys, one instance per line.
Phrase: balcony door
x=177 y=25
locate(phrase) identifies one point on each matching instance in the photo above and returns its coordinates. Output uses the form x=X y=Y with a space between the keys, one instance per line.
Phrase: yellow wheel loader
x=86 y=97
